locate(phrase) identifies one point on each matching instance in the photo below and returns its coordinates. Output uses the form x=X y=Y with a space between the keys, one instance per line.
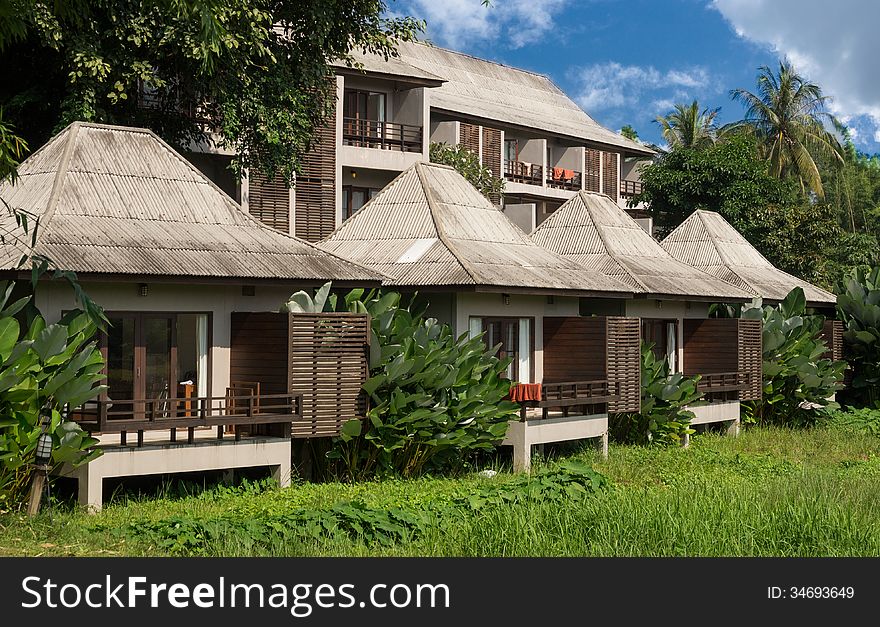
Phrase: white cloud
x=835 y=44
x=463 y=24
x=604 y=86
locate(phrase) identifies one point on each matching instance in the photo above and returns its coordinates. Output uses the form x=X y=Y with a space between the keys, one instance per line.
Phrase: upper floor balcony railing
x=562 y=178
x=628 y=189
x=521 y=172
x=383 y=135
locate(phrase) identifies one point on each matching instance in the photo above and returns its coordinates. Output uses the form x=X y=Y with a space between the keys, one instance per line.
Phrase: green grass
x=770 y=492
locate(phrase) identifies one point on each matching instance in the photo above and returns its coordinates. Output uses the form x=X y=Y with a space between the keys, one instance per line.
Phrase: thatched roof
x=708 y=242
x=593 y=230
x=495 y=92
x=113 y=200
x=430 y=227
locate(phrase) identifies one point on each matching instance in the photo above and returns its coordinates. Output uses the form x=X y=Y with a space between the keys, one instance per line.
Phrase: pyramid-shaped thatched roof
x=114 y=200
x=430 y=227
x=707 y=241
x=593 y=230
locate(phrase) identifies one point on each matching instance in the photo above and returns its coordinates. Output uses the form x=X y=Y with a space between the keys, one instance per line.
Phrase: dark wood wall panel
x=710 y=346
x=574 y=349
x=609 y=175
x=316 y=186
x=269 y=200
x=592 y=158
x=469 y=137
x=625 y=362
x=258 y=351
x=832 y=334
x=751 y=358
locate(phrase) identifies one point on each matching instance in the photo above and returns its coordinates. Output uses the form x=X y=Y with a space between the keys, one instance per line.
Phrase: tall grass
x=770 y=492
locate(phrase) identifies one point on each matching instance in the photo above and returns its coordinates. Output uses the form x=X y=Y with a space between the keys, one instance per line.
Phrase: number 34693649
x=811 y=592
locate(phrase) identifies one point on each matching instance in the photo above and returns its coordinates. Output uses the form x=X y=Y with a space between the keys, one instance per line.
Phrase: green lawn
x=770 y=492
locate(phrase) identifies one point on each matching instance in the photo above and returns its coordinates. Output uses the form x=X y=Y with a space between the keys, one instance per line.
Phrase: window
x=663 y=334
x=514 y=336
x=353 y=198
x=364 y=105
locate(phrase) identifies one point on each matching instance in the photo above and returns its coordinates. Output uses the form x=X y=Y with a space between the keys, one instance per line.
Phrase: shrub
x=858 y=305
x=664 y=418
x=798 y=381
x=41 y=372
x=466 y=163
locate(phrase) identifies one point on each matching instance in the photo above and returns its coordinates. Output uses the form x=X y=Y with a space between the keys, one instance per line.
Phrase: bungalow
x=708 y=242
x=431 y=231
x=672 y=300
x=179 y=268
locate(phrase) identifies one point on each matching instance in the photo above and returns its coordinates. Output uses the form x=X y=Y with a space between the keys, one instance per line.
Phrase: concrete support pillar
x=733 y=427
x=281 y=473
x=91 y=489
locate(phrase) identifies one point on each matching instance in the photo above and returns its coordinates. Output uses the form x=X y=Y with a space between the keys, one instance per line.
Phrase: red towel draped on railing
x=525 y=392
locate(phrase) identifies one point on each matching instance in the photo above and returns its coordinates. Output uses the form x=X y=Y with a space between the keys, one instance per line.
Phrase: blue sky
x=627 y=61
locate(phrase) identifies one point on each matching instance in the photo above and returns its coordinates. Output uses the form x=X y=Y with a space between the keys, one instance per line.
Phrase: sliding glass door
x=155 y=357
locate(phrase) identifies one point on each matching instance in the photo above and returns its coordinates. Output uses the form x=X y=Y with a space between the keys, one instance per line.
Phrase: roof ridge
x=429 y=44
x=604 y=241
x=441 y=235
x=60 y=176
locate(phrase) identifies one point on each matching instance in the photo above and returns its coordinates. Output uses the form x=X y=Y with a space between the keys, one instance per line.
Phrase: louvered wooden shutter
x=316 y=186
x=591 y=169
x=469 y=137
x=492 y=156
x=609 y=174
x=624 y=362
x=750 y=358
x=269 y=200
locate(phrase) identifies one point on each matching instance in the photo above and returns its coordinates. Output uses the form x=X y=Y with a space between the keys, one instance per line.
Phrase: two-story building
x=522 y=127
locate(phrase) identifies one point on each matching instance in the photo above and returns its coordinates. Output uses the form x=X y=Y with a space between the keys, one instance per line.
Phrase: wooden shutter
x=492 y=156
x=269 y=200
x=316 y=186
x=832 y=333
x=591 y=169
x=624 y=362
x=469 y=137
x=751 y=358
x=328 y=365
x=609 y=175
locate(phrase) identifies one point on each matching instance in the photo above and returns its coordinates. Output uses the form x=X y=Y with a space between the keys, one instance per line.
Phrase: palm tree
x=789 y=117
x=688 y=127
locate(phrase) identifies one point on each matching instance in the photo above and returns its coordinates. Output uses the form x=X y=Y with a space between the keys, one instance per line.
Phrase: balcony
x=560 y=178
x=383 y=135
x=520 y=172
x=628 y=189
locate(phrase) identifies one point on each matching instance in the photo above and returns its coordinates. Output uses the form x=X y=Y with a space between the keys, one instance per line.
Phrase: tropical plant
x=789 y=116
x=466 y=163
x=799 y=381
x=436 y=399
x=664 y=417
x=629 y=132
x=303 y=302
x=44 y=371
x=686 y=126
x=858 y=305
x=258 y=73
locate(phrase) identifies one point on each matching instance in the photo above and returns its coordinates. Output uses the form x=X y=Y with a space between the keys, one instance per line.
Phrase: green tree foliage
x=629 y=132
x=858 y=305
x=789 y=116
x=664 y=417
x=686 y=126
x=468 y=165
x=798 y=378
x=257 y=70
x=43 y=369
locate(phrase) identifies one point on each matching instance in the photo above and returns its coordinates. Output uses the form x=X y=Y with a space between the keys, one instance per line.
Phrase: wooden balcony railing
x=564 y=179
x=236 y=409
x=564 y=396
x=628 y=189
x=383 y=135
x=519 y=172
x=723 y=386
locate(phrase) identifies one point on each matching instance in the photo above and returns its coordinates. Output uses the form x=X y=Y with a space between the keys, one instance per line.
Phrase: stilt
x=38 y=483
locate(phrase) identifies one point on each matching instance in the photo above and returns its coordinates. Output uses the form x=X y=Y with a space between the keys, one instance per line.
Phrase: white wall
x=521 y=306
x=218 y=300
